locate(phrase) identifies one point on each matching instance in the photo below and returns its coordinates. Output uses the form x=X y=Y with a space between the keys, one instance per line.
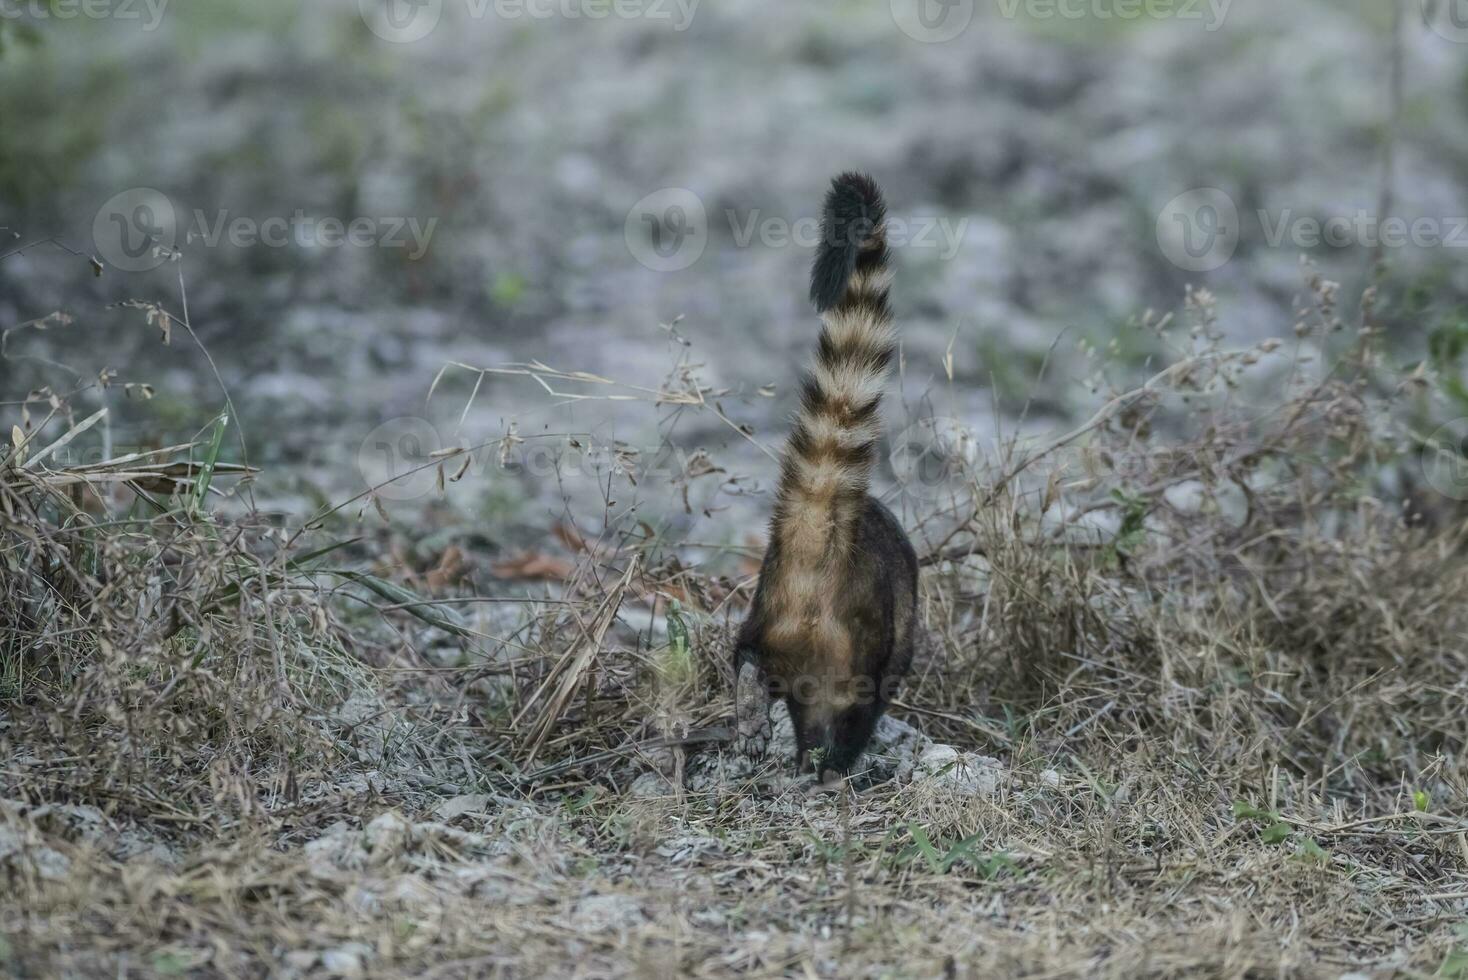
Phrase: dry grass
x=1221 y=663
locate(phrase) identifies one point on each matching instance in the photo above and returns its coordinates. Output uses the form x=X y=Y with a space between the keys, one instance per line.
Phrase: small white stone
x=51 y=865
x=598 y=912
x=460 y=805
x=301 y=959
x=386 y=836
x=960 y=772
x=346 y=961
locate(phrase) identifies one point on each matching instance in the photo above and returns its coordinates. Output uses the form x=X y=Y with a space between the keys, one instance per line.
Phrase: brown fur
x=831 y=627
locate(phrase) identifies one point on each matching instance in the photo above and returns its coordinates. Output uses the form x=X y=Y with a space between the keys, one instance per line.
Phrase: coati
x=831 y=627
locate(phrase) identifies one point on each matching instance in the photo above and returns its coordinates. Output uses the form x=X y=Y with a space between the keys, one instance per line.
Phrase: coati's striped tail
x=829 y=458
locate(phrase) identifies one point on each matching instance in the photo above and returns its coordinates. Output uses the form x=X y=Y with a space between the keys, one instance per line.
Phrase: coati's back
x=832 y=624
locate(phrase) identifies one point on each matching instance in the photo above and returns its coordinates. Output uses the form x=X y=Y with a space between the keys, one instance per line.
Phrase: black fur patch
x=854 y=209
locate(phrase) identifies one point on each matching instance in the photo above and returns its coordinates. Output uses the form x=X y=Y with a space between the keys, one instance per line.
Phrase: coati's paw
x=753 y=744
x=752 y=713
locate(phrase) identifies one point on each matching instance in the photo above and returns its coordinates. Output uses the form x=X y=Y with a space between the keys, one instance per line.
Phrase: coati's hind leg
x=809 y=734
x=829 y=743
x=850 y=733
x=751 y=706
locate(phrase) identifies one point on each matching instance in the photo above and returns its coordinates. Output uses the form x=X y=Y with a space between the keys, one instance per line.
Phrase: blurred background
x=340 y=201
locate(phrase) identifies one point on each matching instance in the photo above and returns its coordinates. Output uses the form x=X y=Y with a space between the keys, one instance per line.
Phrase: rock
x=71 y=822
x=782 y=731
x=386 y=836
x=349 y=960
x=460 y=805
x=17 y=852
x=596 y=913
x=132 y=845
x=301 y=959
x=962 y=772
x=339 y=848
x=649 y=786
x=49 y=864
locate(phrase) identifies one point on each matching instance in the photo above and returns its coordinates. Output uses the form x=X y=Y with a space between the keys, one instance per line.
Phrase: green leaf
x=996 y=864
x=410 y=602
x=1248 y=811
x=507 y=289
x=170 y=963
x=295 y=564
x=1421 y=801
x=1133 y=522
x=962 y=851
x=1311 y=851
x=206 y=469
x=1277 y=832
x=926 y=849
x=1455 y=965
x=676 y=666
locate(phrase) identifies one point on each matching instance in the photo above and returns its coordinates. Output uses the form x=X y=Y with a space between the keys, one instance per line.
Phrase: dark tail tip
x=854 y=211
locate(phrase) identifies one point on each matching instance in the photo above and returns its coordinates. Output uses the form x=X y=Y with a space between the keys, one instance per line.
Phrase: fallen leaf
x=533 y=565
